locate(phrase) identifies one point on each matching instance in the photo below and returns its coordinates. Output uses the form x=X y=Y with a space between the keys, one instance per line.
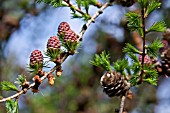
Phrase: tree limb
x=84 y=28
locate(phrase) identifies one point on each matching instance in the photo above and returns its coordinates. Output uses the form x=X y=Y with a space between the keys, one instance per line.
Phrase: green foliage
x=151 y=75
x=73 y=9
x=102 y=61
x=143 y=3
x=130 y=49
x=12 y=106
x=54 y=3
x=86 y=5
x=149 y=71
x=20 y=80
x=93 y=2
x=8 y=86
x=70 y=46
x=134 y=22
x=158 y=27
x=34 y=69
x=53 y=54
x=133 y=57
x=152 y=49
x=85 y=17
x=134 y=80
x=151 y=81
x=78 y=3
x=136 y=68
x=152 y=6
x=136 y=65
x=121 y=65
x=1 y=97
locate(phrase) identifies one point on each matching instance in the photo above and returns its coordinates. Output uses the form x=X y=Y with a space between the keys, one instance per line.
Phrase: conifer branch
x=26 y=89
x=64 y=57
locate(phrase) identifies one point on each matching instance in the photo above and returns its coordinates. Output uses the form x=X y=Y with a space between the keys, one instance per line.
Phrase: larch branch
x=84 y=28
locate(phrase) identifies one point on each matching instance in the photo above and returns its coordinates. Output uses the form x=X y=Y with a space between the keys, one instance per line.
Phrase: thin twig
x=70 y=5
x=85 y=26
x=122 y=103
x=64 y=58
x=26 y=89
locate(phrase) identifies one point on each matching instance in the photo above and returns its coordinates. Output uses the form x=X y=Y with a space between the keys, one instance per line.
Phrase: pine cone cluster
x=36 y=59
x=114 y=84
x=68 y=37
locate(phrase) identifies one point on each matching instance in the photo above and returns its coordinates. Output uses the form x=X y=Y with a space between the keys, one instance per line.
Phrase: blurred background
x=26 y=26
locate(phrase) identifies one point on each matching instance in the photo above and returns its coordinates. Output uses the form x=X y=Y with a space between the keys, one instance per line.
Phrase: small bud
x=35 y=89
x=51 y=79
x=147 y=59
x=129 y=95
x=37 y=81
x=41 y=72
x=59 y=73
x=26 y=84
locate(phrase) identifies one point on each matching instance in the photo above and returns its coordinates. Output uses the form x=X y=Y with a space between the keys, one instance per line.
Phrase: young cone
x=36 y=60
x=114 y=84
x=147 y=59
x=63 y=28
x=71 y=41
x=70 y=36
x=53 y=48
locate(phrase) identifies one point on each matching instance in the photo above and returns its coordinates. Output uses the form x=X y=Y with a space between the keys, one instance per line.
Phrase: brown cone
x=166 y=62
x=53 y=43
x=114 y=84
x=126 y=3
